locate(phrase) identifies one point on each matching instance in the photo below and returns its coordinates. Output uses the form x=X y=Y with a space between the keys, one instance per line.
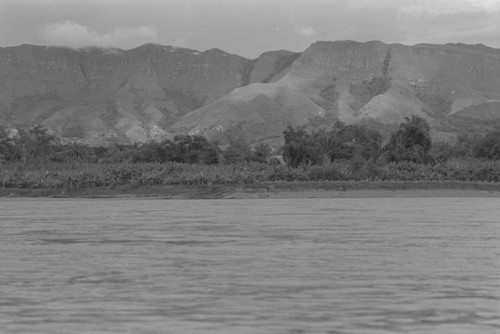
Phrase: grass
x=50 y=178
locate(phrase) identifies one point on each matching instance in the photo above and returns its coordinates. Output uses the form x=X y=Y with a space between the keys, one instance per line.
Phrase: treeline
x=37 y=146
x=411 y=142
x=33 y=159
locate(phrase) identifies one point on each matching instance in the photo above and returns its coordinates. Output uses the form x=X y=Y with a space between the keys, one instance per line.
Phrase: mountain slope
x=449 y=85
x=103 y=95
x=111 y=95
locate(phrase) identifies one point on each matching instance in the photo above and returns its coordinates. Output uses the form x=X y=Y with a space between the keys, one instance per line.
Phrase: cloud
x=246 y=27
x=72 y=34
x=300 y=27
x=489 y=5
x=306 y=31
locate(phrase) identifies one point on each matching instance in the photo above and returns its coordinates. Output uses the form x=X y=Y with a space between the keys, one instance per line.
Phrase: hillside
x=111 y=95
x=455 y=87
x=100 y=95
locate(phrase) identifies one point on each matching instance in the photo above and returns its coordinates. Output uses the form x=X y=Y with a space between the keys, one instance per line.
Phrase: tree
x=367 y=142
x=441 y=151
x=344 y=142
x=411 y=142
x=35 y=144
x=464 y=146
x=8 y=148
x=341 y=142
x=336 y=143
x=237 y=152
x=262 y=152
x=416 y=131
x=300 y=148
x=193 y=149
x=73 y=152
x=489 y=146
x=152 y=151
x=238 y=149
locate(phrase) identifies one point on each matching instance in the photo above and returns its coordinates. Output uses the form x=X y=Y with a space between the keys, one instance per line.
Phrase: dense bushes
x=36 y=145
x=411 y=142
x=341 y=142
x=183 y=149
x=489 y=146
x=33 y=159
x=92 y=175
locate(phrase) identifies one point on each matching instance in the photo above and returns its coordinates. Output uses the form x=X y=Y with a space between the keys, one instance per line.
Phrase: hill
x=455 y=87
x=111 y=95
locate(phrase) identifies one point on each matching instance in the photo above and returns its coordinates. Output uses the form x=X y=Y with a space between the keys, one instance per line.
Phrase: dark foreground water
x=384 y=265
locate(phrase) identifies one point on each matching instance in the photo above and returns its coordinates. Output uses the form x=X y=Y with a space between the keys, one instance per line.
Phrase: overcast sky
x=246 y=27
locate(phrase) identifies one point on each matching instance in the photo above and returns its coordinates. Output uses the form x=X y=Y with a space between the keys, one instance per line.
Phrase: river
x=337 y=265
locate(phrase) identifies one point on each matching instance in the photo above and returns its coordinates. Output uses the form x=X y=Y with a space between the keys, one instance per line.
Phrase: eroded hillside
x=111 y=95
x=455 y=87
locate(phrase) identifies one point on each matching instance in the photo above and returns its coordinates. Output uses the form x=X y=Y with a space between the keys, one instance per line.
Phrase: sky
x=246 y=27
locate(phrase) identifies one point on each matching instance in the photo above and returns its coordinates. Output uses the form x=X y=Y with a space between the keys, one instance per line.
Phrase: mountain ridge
x=98 y=96
x=56 y=86
x=373 y=81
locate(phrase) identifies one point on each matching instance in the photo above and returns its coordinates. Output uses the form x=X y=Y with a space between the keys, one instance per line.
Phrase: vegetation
x=489 y=146
x=411 y=142
x=341 y=142
x=33 y=159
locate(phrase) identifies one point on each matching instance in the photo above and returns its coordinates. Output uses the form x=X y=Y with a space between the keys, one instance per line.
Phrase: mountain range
x=100 y=96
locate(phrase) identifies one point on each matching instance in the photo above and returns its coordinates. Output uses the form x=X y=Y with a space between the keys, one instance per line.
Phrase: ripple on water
x=270 y=266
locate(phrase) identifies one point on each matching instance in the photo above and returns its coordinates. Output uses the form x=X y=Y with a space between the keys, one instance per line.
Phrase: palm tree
x=412 y=141
x=416 y=131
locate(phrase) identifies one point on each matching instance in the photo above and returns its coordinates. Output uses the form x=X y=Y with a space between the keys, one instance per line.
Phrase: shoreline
x=273 y=190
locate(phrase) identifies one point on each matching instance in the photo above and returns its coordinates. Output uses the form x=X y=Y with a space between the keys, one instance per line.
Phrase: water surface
x=338 y=265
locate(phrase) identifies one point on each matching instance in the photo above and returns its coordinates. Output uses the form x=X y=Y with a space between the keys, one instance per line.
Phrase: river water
x=337 y=265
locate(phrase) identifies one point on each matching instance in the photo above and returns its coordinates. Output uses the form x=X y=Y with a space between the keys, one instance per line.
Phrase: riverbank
x=335 y=189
